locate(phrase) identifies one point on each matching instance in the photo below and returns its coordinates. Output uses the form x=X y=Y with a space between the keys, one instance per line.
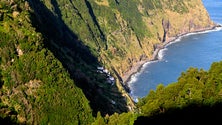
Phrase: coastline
x=137 y=67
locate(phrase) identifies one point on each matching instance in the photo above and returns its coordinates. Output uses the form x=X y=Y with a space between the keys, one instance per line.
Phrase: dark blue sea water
x=194 y=50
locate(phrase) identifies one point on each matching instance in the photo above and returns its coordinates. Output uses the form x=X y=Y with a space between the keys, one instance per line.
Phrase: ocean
x=198 y=50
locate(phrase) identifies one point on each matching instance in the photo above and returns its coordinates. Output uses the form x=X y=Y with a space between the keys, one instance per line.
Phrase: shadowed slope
x=76 y=58
x=193 y=114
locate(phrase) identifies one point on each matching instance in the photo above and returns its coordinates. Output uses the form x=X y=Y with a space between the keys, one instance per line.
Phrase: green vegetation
x=50 y=50
x=41 y=90
x=196 y=96
x=158 y=5
x=196 y=93
x=152 y=4
x=193 y=87
x=115 y=119
x=76 y=57
x=130 y=13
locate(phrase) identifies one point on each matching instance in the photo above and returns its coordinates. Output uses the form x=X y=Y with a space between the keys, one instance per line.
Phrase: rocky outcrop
x=122 y=39
x=124 y=34
x=50 y=51
x=164 y=25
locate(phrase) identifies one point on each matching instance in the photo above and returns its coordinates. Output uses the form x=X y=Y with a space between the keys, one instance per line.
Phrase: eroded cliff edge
x=53 y=50
x=124 y=34
x=160 y=23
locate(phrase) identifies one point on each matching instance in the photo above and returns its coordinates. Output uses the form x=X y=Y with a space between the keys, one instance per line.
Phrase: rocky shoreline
x=137 y=67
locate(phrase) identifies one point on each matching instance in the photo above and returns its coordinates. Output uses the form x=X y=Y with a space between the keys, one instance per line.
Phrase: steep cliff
x=122 y=34
x=53 y=51
x=134 y=29
x=35 y=88
x=113 y=30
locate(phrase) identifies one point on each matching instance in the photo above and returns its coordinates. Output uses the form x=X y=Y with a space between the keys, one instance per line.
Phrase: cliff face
x=140 y=26
x=51 y=48
x=35 y=88
x=122 y=33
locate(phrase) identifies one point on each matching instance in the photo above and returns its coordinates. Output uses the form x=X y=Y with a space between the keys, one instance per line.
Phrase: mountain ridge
x=59 y=46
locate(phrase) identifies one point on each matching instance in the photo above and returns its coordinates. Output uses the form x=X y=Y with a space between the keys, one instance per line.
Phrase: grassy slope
x=119 y=38
x=35 y=88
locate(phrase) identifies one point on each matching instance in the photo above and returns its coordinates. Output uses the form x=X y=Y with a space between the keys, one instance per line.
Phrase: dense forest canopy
x=35 y=88
x=50 y=51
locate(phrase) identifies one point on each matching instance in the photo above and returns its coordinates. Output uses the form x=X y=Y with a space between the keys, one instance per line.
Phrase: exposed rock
x=166 y=28
x=121 y=34
x=19 y=51
x=102 y=2
x=15 y=14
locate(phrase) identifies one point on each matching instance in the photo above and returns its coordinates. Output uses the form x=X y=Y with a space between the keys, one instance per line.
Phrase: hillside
x=107 y=33
x=35 y=88
x=52 y=53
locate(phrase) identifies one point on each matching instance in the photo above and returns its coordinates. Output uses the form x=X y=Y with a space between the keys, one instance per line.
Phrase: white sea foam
x=219 y=28
x=135 y=99
x=147 y=64
x=174 y=41
x=194 y=33
x=160 y=56
x=161 y=53
x=202 y=32
x=133 y=78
